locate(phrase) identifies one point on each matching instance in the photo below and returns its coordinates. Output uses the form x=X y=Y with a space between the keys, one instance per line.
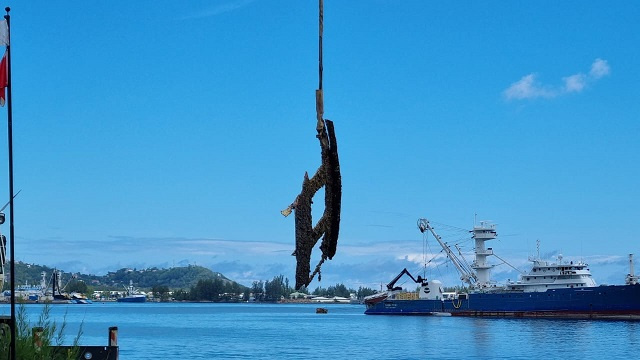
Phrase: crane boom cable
x=465 y=275
x=513 y=267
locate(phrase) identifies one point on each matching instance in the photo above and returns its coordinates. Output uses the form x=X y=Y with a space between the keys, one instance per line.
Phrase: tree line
x=273 y=290
x=215 y=290
x=189 y=283
x=278 y=288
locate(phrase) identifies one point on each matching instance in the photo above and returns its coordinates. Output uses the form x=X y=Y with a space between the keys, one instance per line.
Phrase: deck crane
x=466 y=275
x=391 y=285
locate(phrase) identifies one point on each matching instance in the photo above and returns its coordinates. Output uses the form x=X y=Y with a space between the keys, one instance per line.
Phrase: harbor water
x=280 y=331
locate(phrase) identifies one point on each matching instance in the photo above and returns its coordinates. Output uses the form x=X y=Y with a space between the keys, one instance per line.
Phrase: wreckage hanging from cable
x=327 y=176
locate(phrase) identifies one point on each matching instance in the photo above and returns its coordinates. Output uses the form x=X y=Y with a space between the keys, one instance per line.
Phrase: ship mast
x=632 y=279
x=484 y=232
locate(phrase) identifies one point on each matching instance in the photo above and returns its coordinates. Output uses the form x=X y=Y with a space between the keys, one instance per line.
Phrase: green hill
x=174 y=278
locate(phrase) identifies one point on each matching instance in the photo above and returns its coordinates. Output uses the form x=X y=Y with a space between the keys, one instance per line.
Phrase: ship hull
x=133 y=299
x=615 y=302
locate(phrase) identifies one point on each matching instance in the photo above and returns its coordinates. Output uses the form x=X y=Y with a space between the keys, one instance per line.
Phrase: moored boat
x=549 y=289
x=132 y=295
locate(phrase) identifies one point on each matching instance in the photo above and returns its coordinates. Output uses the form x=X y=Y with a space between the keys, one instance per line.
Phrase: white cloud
x=599 y=68
x=529 y=88
x=394 y=248
x=606 y=259
x=575 y=83
x=433 y=260
x=219 y=9
x=356 y=263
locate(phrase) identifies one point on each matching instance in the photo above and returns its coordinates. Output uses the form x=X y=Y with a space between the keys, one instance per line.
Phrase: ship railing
x=485 y=236
x=406 y=296
x=489 y=251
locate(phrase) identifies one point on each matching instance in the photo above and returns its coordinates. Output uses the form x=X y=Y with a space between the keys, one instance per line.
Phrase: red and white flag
x=4 y=81
x=4 y=75
x=4 y=33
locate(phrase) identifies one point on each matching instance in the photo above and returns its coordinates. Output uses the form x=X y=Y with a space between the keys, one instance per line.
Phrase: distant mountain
x=174 y=278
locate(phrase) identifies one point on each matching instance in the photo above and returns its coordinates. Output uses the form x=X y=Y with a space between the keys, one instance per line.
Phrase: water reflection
x=249 y=331
x=552 y=338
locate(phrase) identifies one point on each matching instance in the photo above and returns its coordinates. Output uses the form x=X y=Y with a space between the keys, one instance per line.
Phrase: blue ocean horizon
x=278 y=331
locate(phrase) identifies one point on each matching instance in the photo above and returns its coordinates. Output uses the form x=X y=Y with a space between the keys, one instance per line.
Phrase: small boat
x=550 y=289
x=133 y=295
x=321 y=311
x=77 y=298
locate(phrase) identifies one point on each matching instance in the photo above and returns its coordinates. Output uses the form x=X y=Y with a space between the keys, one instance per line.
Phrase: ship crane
x=391 y=285
x=466 y=275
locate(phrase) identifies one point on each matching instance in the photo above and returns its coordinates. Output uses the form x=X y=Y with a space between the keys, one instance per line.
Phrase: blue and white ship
x=549 y=289
x=132 y=295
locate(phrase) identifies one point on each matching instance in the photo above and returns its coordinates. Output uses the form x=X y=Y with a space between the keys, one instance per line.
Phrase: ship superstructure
x=545 y=275
x=482 y=233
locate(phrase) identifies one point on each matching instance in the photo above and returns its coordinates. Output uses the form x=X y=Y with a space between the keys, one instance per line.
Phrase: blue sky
x=150 y=133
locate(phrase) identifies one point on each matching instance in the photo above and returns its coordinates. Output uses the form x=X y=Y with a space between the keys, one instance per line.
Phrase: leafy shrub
x=46 y=348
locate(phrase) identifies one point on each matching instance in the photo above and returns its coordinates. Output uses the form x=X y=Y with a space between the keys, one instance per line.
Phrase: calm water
x=274 y=331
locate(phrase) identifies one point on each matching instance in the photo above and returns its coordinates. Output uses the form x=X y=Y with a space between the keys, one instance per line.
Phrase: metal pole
x=113 y=336
x=320 y=31
x=36 y=334
x=113 y=340
x=12 y=217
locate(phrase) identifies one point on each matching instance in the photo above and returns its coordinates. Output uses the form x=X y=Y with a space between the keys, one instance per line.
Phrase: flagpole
x=11 y=218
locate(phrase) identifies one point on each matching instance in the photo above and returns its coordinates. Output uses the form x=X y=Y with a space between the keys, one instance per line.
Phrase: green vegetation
x=161 y=292
x=174 y=278
x=271 y=291
x=78 y=286
x=331 y=291
x=215 y=290
x=43 y=346
x=189 y=283
x=278 y=288
x=364 y=292
x=342 y=291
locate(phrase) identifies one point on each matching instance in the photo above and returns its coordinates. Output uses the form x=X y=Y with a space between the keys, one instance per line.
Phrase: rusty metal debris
x=327 y=175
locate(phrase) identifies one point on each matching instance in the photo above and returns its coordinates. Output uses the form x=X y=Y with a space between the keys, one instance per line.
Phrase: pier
x=94 y=352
